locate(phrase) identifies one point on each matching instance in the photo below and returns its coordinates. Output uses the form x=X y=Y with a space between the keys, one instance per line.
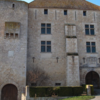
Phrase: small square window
x=16 y=35
x=7 y=34
x=11 y=34
x=49 y=42
x=33 y=84
x=65 y=12
x=43 y=42
x=93 y=43
x=84 y=13
x=57 y=84
x=45 y=11
x=91 y=26
x=42 y=25
x=86 y=26
x=48 y=25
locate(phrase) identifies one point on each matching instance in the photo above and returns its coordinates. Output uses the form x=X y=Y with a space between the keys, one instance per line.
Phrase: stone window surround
x=91 y=47
x=85 y=13
x=89 y=25
x=65 y=12
x=45 y=11
x=46 y=28
x=46 y=46
x=89 y=28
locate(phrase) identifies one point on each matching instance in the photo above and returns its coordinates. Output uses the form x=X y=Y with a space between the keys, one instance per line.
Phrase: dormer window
x=45 y=11
x=65 y=12
x=84 y=13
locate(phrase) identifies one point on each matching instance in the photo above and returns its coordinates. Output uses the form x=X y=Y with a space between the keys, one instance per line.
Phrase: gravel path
x=96 y=98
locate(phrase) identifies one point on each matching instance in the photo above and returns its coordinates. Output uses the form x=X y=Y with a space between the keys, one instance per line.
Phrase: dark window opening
x=16 y=35
x=83 y=60
x=84 y=13
x=13 y=6
x=99 y=60
x=33 y=84
x=7 y=34
x=57 y=84
x=65 y=12
x=45 y=11
x=11 y=34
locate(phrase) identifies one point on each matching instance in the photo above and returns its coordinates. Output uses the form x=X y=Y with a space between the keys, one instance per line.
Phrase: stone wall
x=13 y=51
x=48 y=61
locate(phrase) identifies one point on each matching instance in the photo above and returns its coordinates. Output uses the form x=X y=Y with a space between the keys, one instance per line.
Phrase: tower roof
x=65 y=4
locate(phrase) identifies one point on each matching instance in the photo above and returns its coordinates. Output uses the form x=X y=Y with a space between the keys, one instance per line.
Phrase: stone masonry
x=13 y=45
x=68 y=61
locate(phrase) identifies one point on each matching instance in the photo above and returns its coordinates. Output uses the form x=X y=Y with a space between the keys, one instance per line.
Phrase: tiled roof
x=66 y=4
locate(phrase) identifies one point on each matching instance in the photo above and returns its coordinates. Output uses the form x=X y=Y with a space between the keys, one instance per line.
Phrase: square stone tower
x=13 y=48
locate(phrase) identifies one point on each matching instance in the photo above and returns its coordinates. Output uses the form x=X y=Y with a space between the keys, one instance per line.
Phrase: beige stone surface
x=16 y=53
x=60 y=45
x=13 y=51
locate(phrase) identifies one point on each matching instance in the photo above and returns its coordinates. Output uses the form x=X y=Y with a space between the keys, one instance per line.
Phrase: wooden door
x=9 y=92
x=92 y=78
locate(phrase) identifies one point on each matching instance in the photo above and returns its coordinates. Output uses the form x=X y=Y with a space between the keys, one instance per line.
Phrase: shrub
x=60 y=91
x=65 y=91
x=32 y=91
x=77 y=91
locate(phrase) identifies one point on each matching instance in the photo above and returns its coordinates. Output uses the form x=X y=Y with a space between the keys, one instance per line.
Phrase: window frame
x=89 y=28
x=65 y=11
x=46 y=27
x=91 y=47
x=46 y=45
x=45 y=11
x=57 y=84
x=84 y=13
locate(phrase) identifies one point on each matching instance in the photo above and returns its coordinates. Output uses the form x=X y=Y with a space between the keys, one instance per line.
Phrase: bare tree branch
x=37 y=75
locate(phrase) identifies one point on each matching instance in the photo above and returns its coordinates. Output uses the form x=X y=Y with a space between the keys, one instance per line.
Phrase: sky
x=97 y=2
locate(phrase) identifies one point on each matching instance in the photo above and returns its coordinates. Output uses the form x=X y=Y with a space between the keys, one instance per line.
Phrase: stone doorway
x=92 y=78
x=9 y=92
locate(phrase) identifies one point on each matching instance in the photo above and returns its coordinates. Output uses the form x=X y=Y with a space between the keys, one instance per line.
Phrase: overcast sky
x=97 y=2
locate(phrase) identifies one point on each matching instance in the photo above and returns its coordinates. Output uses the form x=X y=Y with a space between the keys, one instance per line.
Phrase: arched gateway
x=92 y=78
x=9 y=92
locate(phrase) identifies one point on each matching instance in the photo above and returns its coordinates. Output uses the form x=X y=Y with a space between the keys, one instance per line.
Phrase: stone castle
x=62 y=37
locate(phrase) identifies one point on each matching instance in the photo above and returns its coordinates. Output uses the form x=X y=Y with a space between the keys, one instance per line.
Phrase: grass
x=80 y=98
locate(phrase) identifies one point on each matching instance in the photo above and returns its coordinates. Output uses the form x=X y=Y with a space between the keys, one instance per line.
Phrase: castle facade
x=61 y=37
